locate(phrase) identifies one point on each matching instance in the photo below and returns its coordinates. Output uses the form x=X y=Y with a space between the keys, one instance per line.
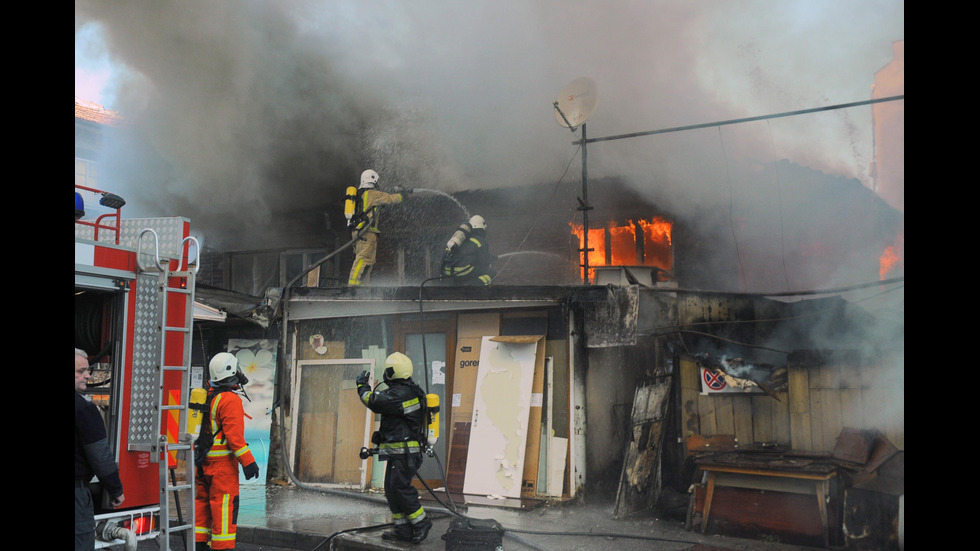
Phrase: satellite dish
x=577 y=102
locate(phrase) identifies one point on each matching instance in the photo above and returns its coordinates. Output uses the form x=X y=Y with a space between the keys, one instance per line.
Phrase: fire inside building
x=653 y=360
x=616 y=382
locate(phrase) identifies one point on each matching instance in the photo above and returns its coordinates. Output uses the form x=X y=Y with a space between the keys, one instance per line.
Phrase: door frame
x=408 y=324
x=294 y=424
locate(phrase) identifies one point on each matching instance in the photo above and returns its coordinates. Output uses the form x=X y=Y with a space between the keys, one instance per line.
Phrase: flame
x=893 y=258
x=614 y=245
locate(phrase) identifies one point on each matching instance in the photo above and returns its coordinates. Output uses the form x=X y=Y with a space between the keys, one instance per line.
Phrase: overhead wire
x=535 y=219
x=731 y=209
x=779 y=205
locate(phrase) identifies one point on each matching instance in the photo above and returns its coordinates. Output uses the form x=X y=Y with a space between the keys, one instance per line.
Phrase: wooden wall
x=825 y=393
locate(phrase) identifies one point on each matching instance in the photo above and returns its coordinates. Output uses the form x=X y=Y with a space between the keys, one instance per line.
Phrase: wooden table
x=800 y=482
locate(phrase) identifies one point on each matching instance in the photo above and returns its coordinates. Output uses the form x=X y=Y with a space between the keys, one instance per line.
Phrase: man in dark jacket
x=92 y=458
x=467 y=260
x=400 y=441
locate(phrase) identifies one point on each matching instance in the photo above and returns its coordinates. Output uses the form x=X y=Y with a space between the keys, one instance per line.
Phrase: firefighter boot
x=420 y=531
x=402 y=532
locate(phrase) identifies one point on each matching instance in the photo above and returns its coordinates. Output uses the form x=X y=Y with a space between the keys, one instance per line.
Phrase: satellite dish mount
x=575 y=104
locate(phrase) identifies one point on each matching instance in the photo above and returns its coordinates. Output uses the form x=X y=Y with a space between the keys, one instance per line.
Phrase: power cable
x=536 y=218
x=731 y=207
x=779 y=205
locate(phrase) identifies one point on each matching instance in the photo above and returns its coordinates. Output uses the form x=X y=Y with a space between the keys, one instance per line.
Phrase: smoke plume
x=241 y=112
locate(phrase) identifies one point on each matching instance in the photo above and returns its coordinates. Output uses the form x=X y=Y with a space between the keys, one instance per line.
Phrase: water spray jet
x=453 y=199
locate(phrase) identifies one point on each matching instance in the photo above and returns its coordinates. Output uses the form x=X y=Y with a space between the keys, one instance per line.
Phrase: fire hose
x=109 y=531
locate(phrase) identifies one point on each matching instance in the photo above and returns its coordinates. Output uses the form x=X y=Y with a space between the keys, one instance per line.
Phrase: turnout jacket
x=373 y=200
x=227 y=417
x=92 y=454
x=472 y=261
x=402 y=410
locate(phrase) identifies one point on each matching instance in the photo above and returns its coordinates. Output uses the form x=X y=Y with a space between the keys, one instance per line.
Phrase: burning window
x=635 y=243
x=893 y=258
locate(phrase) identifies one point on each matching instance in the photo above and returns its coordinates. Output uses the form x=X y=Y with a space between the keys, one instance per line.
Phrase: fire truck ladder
x=169 y=407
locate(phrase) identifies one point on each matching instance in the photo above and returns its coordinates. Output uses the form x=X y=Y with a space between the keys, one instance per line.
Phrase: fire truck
x=134 y=307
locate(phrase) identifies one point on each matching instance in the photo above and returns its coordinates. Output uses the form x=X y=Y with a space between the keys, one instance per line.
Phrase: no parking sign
x=713 y=382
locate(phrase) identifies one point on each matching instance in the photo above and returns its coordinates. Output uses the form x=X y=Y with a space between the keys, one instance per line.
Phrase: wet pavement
x=288 y=517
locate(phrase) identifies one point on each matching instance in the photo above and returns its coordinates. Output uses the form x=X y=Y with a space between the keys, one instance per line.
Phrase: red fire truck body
x=133 y=317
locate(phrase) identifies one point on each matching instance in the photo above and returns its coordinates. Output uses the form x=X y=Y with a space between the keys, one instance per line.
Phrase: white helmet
x=397 y=366
x=223 y=365
x=369 y=179
x=478 y=223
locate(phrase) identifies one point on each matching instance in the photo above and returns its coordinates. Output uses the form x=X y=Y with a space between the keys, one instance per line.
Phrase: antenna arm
x=564 y=118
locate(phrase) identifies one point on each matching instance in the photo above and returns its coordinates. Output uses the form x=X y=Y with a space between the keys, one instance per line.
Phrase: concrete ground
x=287 y=517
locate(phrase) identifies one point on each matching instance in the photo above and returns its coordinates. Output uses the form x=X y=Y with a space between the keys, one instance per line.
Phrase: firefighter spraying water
x=362 y=208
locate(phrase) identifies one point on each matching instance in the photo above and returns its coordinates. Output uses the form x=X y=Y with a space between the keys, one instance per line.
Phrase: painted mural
x=257 y=360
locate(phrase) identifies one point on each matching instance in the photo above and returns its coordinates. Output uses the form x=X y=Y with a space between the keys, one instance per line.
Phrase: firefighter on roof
x=400 y=440
x=366 y=213
x=216 y=500
x=467 y=259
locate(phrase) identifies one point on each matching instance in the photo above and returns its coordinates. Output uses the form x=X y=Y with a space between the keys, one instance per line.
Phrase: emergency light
x=112 y=200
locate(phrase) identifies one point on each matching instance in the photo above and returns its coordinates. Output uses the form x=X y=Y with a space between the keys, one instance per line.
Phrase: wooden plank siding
x=825 y=393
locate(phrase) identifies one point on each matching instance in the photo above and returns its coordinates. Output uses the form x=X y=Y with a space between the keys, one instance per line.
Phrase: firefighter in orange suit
x=216 y=502
x=366 y=247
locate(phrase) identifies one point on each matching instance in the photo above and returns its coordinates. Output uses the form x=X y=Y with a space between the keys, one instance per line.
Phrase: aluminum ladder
x=175 y=439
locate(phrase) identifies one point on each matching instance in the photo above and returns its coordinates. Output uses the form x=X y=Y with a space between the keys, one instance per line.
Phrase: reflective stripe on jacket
x=402 y=416
x=373 y=200
x=228 y=427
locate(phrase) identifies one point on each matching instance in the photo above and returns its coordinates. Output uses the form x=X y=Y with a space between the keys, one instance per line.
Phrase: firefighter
x=92 y=457
x=366 y=247
x=216 y=502
x=399 y=440
x=467 y=260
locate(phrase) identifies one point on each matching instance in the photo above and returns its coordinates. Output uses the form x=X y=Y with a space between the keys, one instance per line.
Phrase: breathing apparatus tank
x=195 y=413
x=350 y=205
x=432 y=404
x=459 y=237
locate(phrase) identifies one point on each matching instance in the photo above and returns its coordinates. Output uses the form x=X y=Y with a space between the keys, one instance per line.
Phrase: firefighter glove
x=363 y=378
x=251 y=470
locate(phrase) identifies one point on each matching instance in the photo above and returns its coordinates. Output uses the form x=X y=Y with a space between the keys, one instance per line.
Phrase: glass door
x=431 y=372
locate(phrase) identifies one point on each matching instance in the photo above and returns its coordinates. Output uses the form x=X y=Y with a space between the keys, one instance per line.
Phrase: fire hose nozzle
x=367 y=452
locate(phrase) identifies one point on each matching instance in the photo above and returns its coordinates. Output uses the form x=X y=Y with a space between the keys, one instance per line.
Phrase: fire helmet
x=369 y=179
x=224 y=366
x=397 y=366
x=478 y=223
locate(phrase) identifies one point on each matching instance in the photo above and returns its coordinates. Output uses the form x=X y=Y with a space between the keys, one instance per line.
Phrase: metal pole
x=584 y=207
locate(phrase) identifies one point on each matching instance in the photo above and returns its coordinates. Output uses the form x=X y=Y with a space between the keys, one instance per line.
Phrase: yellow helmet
x=398 y=366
